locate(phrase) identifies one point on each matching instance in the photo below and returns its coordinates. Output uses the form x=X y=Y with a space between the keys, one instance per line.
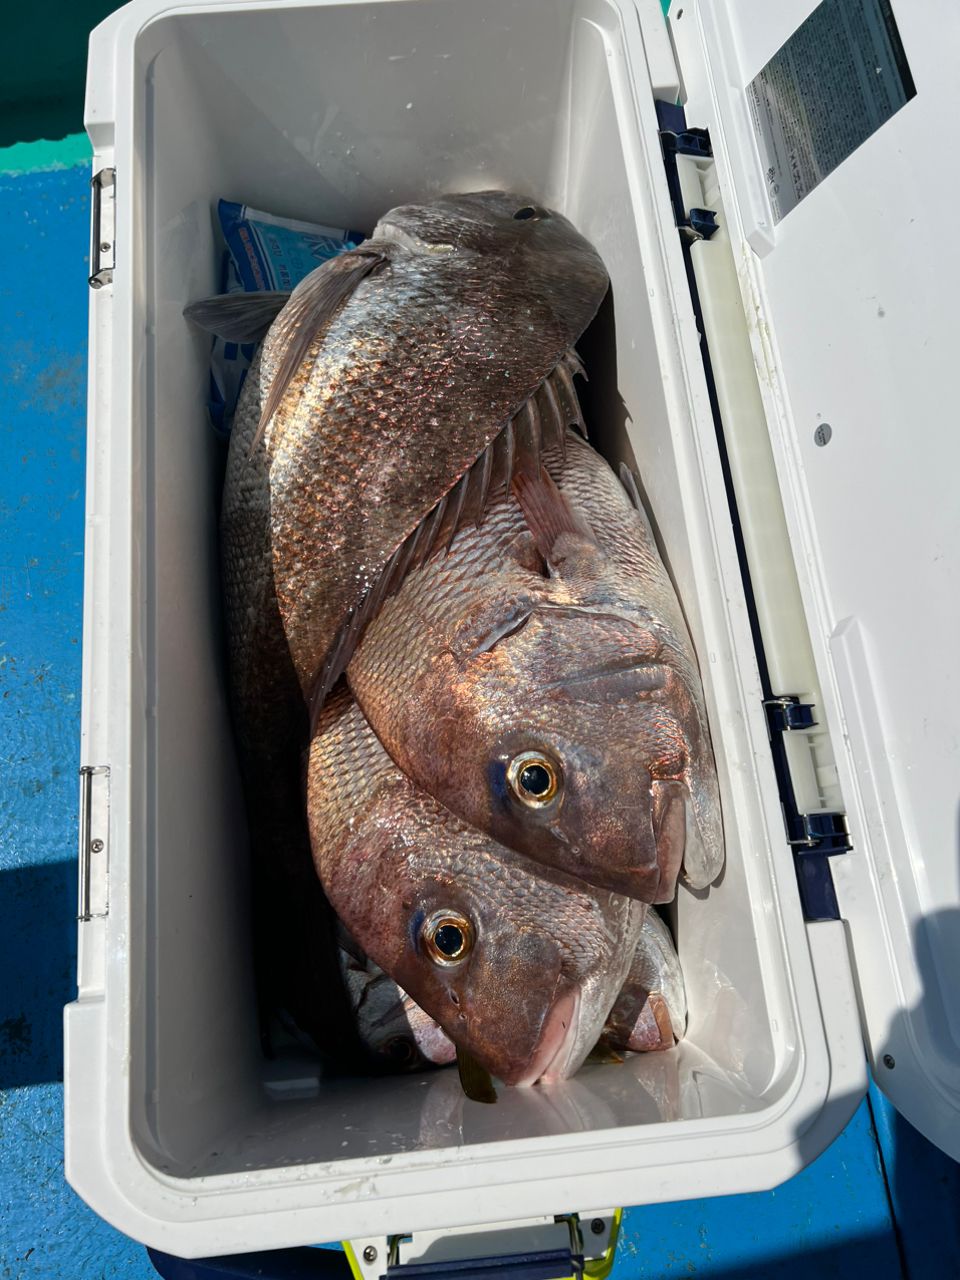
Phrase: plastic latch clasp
x=545 y=1264
x=566 y=1247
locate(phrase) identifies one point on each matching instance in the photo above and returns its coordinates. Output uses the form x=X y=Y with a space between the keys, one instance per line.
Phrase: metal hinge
x=94 y=841
x=103 y=250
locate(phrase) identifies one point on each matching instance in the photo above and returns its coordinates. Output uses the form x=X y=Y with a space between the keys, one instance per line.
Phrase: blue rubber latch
x=546 y=1264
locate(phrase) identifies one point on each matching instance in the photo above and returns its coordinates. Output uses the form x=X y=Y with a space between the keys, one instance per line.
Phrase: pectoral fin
x=548 y=513
x=237 y=317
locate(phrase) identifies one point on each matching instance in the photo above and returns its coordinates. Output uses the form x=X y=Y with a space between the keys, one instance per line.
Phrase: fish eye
x=528 y=212
x=447 y=937
x=533 y=778
x=401 y=1051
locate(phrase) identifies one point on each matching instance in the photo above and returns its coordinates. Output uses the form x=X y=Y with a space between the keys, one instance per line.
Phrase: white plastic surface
x=852 y=303
x=335 y=113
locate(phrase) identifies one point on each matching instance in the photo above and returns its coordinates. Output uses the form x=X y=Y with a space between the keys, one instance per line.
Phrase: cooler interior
x=334 y=114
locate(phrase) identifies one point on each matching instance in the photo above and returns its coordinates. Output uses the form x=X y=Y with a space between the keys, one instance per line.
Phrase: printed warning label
x=839 y=77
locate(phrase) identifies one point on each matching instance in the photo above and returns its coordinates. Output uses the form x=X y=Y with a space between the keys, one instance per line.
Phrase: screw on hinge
x=96 y=846
x=369 y=1254
x=889 y=1061
x=598 y=1226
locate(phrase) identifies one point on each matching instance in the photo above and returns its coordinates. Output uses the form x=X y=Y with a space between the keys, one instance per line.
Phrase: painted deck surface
x=834 y=1218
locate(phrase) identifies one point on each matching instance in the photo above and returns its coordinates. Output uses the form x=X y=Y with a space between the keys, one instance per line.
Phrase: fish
x=377 y=414
x=391 y=1025
x=539 y=680
x=518 y=964
x=650 y=1013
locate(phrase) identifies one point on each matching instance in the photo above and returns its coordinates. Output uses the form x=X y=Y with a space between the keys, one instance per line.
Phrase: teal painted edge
x=43 y=156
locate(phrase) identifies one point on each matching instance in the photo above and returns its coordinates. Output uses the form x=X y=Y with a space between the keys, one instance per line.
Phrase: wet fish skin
x=586 y=661
x=549 y=955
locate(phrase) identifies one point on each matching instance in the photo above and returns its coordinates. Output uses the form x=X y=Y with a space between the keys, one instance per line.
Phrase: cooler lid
x=830 y=125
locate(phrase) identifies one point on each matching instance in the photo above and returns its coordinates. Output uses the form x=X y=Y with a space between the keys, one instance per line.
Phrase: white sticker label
x=839 y=77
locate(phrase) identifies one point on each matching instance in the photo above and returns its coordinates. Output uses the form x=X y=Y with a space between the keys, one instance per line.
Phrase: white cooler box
x=831 y=335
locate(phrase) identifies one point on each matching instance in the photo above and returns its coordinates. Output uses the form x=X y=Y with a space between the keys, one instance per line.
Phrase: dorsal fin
x=312 y=305
x=568 y=394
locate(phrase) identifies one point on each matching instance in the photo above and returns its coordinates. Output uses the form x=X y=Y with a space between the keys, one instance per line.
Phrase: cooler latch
x=545 y=1264
x=575 y=1245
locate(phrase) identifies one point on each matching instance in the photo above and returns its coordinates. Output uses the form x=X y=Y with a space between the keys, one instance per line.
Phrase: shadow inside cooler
x=334 y=115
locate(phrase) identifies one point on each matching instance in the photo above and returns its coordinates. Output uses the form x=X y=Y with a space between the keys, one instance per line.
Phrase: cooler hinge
x=103 y=250
x=788 y=713
x=823 y=834
x=812 y=837
x=694 y=222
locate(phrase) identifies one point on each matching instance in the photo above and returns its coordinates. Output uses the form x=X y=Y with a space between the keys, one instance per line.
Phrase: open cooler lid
x=839 y=181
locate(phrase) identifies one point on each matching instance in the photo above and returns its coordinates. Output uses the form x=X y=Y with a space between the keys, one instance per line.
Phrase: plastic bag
x=264 y=252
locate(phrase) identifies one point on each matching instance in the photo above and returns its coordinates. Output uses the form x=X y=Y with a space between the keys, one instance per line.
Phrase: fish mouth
x=558 y=1040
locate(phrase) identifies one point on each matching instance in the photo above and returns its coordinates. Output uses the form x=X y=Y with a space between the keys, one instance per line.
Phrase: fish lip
x=557 y=1041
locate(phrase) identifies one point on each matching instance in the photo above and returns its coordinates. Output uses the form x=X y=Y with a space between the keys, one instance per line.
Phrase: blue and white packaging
x=264 y=252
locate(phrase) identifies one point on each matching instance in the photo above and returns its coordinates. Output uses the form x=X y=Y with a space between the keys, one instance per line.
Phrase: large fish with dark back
x=377 y=417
